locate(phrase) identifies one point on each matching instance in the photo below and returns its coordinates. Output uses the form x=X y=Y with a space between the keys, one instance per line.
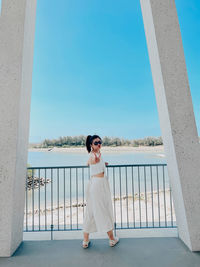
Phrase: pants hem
x=99 y=231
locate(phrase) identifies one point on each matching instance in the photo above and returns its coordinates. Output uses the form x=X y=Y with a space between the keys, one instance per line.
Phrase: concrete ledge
x=123 y=233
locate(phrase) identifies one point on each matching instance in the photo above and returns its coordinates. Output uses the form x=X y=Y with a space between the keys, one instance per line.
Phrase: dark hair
x=89 y=140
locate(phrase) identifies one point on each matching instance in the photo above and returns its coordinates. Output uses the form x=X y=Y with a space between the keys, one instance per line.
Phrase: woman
x=99 y=211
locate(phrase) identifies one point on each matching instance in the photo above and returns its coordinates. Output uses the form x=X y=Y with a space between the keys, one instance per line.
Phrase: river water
x=71 y=183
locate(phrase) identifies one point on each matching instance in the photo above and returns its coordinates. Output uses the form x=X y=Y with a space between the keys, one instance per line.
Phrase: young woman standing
x=98 y=216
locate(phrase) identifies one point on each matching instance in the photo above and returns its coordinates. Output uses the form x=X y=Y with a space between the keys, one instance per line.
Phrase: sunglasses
x=96 y=143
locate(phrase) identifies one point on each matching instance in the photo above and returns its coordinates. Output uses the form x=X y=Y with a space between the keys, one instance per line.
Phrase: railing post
x=51 y=231
x=115 y=228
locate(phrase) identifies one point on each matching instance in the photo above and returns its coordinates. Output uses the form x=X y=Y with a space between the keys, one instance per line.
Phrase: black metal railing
x=55 y=197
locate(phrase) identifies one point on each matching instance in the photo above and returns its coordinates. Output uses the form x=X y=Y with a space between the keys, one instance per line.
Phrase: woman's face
x=96 y=147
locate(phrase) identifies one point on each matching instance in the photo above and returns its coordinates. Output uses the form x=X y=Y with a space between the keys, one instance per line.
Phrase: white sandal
x=85 y=244
x=112 y=243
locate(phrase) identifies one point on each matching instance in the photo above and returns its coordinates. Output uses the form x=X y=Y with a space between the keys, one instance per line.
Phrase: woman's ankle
x=86 y=236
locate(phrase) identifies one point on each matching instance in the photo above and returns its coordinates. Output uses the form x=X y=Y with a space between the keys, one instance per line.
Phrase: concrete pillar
x=17 y=26
x=176 y=114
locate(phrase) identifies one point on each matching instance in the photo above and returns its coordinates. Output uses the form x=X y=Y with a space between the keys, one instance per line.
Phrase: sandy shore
x=104 y=149
x=150 y=207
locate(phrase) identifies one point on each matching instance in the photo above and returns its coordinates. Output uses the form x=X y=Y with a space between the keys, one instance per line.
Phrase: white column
x=176 y=114
x=17 y=27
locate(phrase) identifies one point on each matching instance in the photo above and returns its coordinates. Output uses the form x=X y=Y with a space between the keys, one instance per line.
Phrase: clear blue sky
x=91 y=72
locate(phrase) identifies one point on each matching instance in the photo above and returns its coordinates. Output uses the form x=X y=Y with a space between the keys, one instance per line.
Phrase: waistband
x=105 y=176
x=92 y=177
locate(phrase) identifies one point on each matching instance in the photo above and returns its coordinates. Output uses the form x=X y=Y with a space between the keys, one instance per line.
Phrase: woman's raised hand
x=97 y=159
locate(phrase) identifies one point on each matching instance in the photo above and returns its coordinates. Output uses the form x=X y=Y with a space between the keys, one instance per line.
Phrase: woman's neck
x=97 y=152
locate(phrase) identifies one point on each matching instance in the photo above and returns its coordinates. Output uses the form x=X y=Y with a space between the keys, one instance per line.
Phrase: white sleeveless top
x=98 y=167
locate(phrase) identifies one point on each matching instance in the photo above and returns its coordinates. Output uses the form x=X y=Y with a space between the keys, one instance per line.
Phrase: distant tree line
x=79 y=141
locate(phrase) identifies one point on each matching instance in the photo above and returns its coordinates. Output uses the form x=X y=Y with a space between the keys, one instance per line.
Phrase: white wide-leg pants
x=98 y=216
